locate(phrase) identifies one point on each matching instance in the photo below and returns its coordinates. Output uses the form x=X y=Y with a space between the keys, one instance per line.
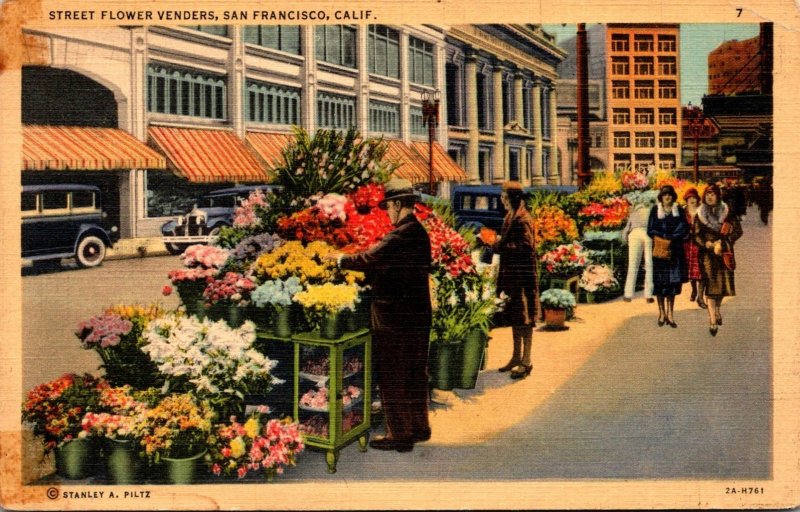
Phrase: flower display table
x=332 y=381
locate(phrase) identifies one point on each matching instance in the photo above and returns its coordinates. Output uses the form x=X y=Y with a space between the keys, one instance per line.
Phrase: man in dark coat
x=398 y=268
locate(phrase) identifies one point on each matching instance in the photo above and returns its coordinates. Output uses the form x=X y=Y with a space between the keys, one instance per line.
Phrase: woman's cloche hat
x=398 y=188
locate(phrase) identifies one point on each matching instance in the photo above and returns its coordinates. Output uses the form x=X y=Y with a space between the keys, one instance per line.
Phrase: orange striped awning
x=269 y=146
x=85 y=148
x=410 y=165
x=444 y=168
x=207 y=156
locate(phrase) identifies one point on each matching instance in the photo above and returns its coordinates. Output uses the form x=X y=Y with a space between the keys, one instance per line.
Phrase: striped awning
x=207 y=156
x=444 y=168
x=410 y=165
x=85 y=148
x=269 y=146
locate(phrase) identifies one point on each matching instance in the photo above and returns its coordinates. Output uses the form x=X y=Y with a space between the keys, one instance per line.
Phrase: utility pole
x=582 y=57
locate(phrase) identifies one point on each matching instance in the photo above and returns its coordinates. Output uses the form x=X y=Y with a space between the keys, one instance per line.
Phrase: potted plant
x=202 y=262
x=176 y=436
x=325 y=304
x=565 y=261
x=598 y=280
x=255 y=447
x=226 y=297
x=56 y=410
x=556 y=302
x=275 y=297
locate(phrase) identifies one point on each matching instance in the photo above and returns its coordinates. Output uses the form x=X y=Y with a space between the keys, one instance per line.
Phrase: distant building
x=734 y=66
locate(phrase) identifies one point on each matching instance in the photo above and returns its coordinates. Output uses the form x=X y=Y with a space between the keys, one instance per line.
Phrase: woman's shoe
x=693 y=297
x=521 y=371
x=719 y=319
x=713 y=329
x=702 y=303
x=672 y=324
x=661 y=322
x=510 y=366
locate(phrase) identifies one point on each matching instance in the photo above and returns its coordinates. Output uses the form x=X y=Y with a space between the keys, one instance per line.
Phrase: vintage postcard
x=399 y=255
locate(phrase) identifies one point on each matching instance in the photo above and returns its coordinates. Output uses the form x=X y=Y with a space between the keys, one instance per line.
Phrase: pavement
x=136 y=248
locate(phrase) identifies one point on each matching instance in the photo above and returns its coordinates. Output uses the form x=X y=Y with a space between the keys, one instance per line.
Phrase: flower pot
x=191 y=293
x=441 y=365
x=555 y=318
x=351 y=320
x=282 y=322
x=123 y=464
x=331 y=326
x=181 y=471
x=590 y=298
x=262 y=317
x=235 y=316
x=76 y=459
x=472 y=350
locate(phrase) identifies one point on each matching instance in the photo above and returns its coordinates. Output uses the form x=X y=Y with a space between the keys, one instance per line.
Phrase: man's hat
x=398 y=188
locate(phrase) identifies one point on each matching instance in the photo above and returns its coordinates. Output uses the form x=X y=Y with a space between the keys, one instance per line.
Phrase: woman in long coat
x=692 y=252
x=715 y=230
x=668 y=221
x=517 y=276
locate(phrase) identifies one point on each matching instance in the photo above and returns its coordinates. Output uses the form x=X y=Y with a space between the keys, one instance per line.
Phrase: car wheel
x=91 y=251
x=175 y=248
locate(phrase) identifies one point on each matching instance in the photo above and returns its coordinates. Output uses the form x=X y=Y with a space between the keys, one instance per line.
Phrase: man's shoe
x=626 y=299
x=387 y=444
x=650 y=300
x=421 y=437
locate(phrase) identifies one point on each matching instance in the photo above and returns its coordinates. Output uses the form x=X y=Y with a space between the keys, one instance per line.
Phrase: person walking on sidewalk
x=715 y=230
x=667 y=227
x=639 y=244
x=517 y=276
x=398 y=268
x=691 y=251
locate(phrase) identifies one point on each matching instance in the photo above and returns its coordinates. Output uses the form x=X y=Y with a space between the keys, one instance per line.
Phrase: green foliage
x=444 y=210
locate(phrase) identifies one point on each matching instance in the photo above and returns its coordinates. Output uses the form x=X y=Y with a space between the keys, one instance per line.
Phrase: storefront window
x=169 y=195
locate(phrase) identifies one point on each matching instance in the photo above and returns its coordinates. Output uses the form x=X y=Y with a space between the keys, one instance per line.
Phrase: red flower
x=166 y=290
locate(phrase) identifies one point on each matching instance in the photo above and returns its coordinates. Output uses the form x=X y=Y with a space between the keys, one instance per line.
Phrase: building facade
x=734 y=68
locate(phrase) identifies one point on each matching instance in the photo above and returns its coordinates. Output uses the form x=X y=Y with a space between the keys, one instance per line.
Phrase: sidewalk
x=137 y=248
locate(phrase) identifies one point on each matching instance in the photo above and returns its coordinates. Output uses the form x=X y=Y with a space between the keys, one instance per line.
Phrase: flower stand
x=76 y=459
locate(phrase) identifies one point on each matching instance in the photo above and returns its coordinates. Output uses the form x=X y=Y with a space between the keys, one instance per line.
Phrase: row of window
x=666 y=116
x=644 y=89
x=643 y=162
x=666 y=140
x=644 y=66
x=337 y=44
x=514 y=165
x=643 y=43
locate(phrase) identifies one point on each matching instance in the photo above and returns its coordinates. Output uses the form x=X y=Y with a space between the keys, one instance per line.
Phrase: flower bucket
x=442 y=365
x=191 y=294
x=282 y=322
x=262 y=317
x=235 y=316
x=331 y=326
x=123 y=464
x=75 y=460
x=555 y=318
x=472 y=351
x=351 y=320
x=181 y=471
x=590 y=298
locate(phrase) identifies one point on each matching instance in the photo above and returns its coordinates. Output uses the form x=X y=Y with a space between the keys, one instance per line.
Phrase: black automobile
x=212 y=212
x=65 y=221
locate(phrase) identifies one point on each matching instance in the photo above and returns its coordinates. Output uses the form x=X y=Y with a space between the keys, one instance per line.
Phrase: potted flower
x=556 y=302
x=275 y=296
x=202 y=262
x=256 y=447
x=324 y=305
x=598 y=280
x=56 y=410
x=176 y=435
x=565 y=261
x=227 y=297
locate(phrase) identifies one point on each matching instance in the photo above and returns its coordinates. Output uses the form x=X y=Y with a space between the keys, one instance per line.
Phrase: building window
x=667 y=66
x=644 y=116
x=666 y=161
x=416 y=121
x=621 y=116
x=334 y=111
x=454 y=94
x=272 y=104
x=530 y=164
x=285 y=38
x=643 y=89
x=513 y=164
x=336 y=44
x=216 y=30
x=643 y=43
x=620 y=66
x=667 y=89
x=622 y=162
x=458 y=152
x=667 y=116
x=186 y=93
x=383 y=51
x=667 y=43
x=667 y=140
x=620 y=42
x=620 y=90
x=645 y=140
x=546 y=162
x=643 y=65
x=169 y=195
x=485 y=165
x=643 y=163
x=622 y=140
x=484 y=101
x=597 y=140
x=420 y=61
x=384 y=117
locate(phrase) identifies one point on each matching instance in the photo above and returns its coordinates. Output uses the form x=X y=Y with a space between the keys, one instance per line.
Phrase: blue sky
x=697 y=41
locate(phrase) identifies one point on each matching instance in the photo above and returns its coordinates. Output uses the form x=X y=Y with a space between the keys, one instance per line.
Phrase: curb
x=137 y=248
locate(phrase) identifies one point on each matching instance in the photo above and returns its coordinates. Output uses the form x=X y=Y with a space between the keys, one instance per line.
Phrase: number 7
x=739 y=12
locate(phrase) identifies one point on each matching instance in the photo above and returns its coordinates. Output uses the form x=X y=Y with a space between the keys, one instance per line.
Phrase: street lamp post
x=430 y=117
x=695 y=120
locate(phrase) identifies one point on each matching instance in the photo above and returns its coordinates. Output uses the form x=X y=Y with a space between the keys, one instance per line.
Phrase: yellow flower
x=251 y=427
x=238 y=447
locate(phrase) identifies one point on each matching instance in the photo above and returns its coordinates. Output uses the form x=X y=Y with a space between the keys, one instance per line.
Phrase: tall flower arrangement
x=610 y=214
x=307 y=263
x=565 y=260
x=178 y=427
x=634 y=180
x=553 y=227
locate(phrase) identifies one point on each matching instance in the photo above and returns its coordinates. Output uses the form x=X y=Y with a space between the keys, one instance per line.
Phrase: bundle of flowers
x=205 y=256
x=251 y=247
x=210 y=359
x=553 y=226
x=565 y=260
x=557 y=298
x=188 y=276
x=365 y=229
x=328 y=297
x=462 y=305
x=253 y=447
x=367 y=197
x=307 y=263
x=277 y=292
x=248 y=213
x=318 y=399
x=332 y=207
x=449 y=250
x=604 y=184
x=178 y=426
x=312 y=225
x=232 y=289
x=114 y=426
x=608 y=214
x=102 y=331
x=598 y=278
x=643 y=197
x=56 y=408
x=320 y=366
x=634 y=180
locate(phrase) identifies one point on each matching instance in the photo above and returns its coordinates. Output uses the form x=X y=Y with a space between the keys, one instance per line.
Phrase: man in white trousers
x=639 y=244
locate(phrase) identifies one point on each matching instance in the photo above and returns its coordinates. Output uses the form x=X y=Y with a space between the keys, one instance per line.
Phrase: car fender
x=218 y=223
x=91 y=229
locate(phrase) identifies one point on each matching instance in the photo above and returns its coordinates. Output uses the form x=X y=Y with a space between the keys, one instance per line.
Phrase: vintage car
x=202 y=224
x=65 y=221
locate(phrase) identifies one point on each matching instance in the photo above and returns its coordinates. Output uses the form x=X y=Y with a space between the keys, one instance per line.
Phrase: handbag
x=728 y=260
x=661 y=248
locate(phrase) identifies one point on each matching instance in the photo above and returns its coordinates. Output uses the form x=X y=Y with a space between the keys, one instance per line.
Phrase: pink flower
x=241 y=472
x=166 y=290
x=216 y=469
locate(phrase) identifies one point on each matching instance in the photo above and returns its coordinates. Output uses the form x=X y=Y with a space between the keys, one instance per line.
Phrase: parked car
x=65 y=221
x=476 y=206
x=211 y=213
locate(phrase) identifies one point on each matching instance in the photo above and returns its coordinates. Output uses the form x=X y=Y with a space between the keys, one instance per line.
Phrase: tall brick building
x=734 y=68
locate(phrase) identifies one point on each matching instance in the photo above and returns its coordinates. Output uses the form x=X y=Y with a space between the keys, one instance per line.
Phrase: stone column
x=536 y=101
x=519 y=114
x=554 y=177
x=498 y=157
x=309 y=93
x=405 y=88
x=133 y=184
x=362 y=83
x=471 y=102
x=439 y=59
x=236 y=85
